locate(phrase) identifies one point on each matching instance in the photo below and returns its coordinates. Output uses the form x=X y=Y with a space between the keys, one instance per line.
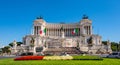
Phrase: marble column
x=37 y=30
x=59 y=32
x=51 y=32
x=79 y=31
x=63 y=34
x=83 y=29
x=48 y=32
x=54 y=30
x=89 y=30
x=34 y=30
x=68 y=31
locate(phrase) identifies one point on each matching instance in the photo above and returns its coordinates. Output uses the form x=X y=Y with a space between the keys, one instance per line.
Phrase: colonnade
x=87 y=30
x=67 y=31
x=57 y=32
x=37 y=30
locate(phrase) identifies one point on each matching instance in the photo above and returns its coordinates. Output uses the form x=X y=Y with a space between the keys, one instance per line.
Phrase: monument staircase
x=61 y=50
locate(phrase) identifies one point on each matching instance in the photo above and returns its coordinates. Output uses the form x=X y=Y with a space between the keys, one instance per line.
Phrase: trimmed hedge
x=29 y=58
x=87 y=57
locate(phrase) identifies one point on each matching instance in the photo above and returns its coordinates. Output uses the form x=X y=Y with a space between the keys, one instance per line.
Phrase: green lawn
x=105 y=61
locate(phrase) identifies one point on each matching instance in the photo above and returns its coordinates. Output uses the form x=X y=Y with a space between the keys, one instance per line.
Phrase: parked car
x=114 y=55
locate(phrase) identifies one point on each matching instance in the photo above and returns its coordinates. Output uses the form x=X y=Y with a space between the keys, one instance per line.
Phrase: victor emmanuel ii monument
x=52 y=38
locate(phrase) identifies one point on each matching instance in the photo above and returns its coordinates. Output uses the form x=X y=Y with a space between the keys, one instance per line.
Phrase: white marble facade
x=60 y=35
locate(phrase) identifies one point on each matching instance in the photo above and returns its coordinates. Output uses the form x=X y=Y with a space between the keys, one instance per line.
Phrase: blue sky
x=17 y=16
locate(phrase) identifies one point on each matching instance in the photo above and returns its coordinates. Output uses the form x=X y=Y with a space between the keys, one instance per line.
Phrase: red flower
x=29 y=58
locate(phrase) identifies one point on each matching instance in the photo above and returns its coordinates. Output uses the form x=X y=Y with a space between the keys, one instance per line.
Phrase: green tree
x=119 y=46
x=6 y=49
x=18 y=44
x=104 y=42
x=114 y=46
x=0 y=50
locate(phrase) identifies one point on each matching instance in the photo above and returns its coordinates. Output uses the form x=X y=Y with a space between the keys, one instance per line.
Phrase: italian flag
x=43 y=31
x=75 y=31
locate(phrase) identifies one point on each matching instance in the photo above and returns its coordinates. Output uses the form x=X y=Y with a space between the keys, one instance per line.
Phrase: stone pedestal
x=34 y=50
x=15 y=46
x=62 y=34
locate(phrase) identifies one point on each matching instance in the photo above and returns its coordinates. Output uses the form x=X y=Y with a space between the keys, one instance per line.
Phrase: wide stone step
x=68 y=50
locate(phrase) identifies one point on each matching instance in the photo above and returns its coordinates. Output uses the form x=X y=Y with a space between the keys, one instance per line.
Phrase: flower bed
x=58 y=58
x=29 y=58
x=87 y=57
x=79 y=57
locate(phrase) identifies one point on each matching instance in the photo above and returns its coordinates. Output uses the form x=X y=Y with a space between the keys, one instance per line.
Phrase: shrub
x=29 y=58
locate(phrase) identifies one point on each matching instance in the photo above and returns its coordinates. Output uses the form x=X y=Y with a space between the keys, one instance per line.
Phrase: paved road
x=2 y=57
